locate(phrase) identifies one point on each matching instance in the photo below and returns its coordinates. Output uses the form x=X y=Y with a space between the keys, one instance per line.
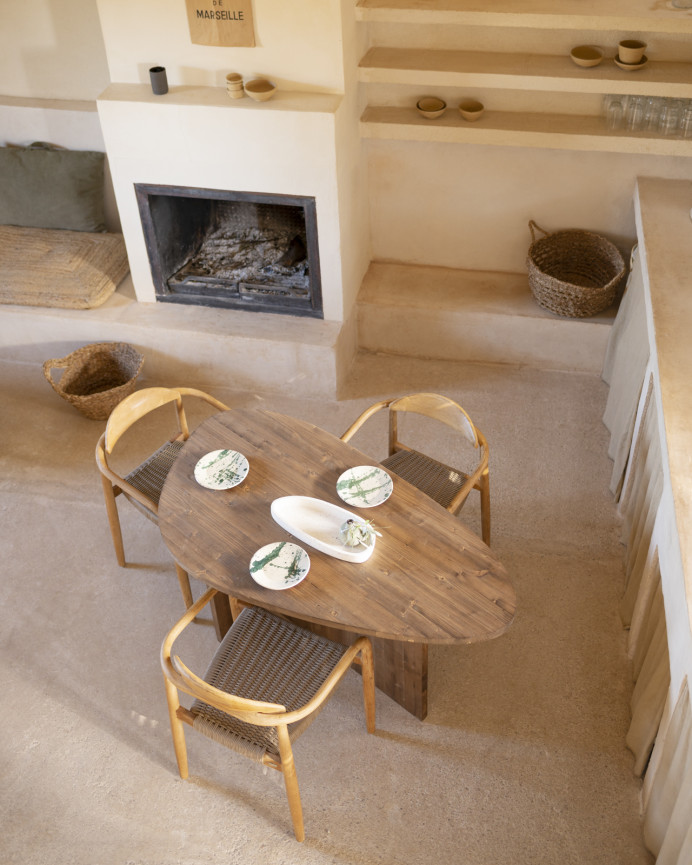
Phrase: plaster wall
x=51 y=49
x=297 y=44
x=467 y=206
x=351 y=167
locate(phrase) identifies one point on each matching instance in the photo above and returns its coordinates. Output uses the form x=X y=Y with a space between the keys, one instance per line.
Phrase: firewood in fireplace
x=296 y=252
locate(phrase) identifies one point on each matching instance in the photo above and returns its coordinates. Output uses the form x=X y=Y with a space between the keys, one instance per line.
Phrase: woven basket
x=97 y=377
x=573 y=273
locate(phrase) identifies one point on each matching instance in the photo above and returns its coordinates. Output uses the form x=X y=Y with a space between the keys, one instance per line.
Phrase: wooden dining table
x=430 y=579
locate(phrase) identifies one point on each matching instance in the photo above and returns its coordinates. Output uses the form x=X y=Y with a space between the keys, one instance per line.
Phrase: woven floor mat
x=68 y=269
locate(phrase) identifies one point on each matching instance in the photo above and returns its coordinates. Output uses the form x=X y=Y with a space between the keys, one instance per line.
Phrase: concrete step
x=197 y=346
x=445 y=314
x=402 y=310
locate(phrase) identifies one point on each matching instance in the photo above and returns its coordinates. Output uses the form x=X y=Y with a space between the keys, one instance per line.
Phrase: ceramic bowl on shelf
x=586 y=55
x=471 y=109
x=234 y=85
x=431 y=107
x=260 y=89
x=631 y=67
x=631 y=51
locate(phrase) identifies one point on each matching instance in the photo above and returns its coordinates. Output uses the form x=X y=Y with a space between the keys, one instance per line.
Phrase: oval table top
x=430 y=579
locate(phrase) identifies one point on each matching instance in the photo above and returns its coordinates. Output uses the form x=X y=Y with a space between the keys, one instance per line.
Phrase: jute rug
x=69 y=269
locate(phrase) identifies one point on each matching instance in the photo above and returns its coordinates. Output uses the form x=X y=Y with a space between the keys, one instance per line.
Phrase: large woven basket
x=97 y=377
x=573 y=273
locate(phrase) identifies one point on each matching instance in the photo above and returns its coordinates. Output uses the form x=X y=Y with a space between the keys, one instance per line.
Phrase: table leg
x=221 y=614
x=401 y=672
x=401 y=669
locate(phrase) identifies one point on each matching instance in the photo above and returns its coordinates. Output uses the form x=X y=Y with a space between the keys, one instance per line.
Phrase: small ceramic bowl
x=631 y=51
x=471 y=109
x=431 y=106
x=586 y=55
x=260 y=89
x=234 y=85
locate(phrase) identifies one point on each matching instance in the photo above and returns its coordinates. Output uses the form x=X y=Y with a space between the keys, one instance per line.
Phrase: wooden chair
x=267 y=681
x=143 y=484
x=448 y=486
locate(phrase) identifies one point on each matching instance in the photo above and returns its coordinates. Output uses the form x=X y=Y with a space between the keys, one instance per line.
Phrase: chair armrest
x=120 y=482
x=191 y=391
x=471 y=480
x=360 y=420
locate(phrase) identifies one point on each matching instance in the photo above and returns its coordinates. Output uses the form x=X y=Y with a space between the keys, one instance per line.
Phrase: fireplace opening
x=241 y=250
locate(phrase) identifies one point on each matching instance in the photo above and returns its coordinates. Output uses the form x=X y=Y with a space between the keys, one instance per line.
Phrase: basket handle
x=532 y=226
x=56 y=363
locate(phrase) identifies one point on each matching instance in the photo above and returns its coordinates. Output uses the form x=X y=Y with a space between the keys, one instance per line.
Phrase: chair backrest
x=141 y=402
x=135 y=406
x=435 y=406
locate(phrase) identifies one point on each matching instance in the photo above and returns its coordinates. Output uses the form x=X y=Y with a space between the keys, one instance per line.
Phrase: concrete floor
x=521 y=759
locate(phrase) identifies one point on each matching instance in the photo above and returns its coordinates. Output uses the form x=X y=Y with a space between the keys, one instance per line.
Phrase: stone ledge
x=446 y=314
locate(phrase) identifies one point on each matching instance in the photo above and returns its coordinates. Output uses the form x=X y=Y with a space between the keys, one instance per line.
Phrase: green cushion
x=41 y=187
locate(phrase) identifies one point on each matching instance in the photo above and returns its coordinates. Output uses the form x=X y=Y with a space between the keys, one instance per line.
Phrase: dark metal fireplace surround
x=241 y=250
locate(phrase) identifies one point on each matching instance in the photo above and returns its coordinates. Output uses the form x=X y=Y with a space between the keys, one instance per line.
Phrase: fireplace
x=241 y=250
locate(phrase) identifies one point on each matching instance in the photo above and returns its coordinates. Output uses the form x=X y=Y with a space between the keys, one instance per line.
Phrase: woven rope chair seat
x=435 y=479
x=149 y=477
x=263 y=657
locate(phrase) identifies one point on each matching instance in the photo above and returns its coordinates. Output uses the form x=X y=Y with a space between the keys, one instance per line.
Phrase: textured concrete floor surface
x=521 y=759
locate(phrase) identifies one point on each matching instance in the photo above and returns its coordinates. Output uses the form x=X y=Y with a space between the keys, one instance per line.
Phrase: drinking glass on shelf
x=686 y=121
x=670 y=118
x=652 y=113
x=615 y=112
x=635 y=113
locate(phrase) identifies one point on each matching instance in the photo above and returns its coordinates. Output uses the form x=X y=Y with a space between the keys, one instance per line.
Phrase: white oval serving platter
x=317 y=523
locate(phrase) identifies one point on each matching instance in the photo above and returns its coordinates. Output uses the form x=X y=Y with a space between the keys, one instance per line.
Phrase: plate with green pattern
x=280 y=565
x=364 y=486
x=221 y=470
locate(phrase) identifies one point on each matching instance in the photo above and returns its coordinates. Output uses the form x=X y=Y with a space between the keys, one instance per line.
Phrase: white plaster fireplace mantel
x=198 y=137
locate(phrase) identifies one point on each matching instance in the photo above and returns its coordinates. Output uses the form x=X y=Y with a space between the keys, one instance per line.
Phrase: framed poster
x=221 y=22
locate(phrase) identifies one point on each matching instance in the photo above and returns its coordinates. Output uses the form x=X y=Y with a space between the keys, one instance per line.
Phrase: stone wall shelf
x=536 y=72
x=188 y=96
x=515 y=129
x=634 y=15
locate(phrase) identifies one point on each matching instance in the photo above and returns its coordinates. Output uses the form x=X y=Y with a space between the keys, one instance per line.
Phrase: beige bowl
x=234 y=85
x=631 y=51
x=471 y=109
x=431 y=106
x=586 y=55
x=260 y=89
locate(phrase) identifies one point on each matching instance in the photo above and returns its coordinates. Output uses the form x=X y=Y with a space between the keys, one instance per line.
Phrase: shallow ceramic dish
x=431 y=107
x=471 y=109
x=221 y=470
x=279 y=565
x=260 y=89
x=317 y=523
x=631 y=67
x=586 y=55
x=364 y=486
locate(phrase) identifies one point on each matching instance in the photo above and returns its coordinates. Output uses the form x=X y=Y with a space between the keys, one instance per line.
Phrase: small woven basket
x=97 y=377
x=573 y=273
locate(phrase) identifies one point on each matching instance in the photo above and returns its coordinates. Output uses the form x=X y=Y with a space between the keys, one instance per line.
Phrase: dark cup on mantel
x=159 y=81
